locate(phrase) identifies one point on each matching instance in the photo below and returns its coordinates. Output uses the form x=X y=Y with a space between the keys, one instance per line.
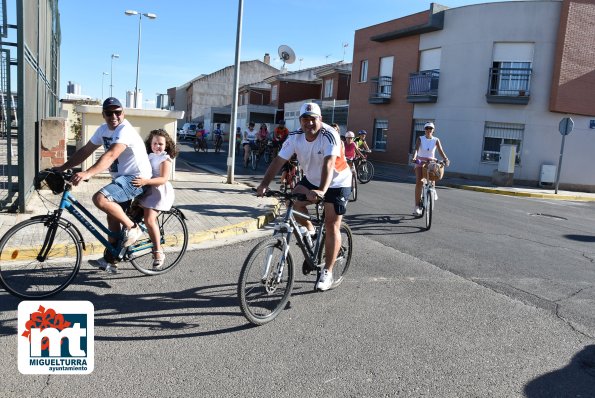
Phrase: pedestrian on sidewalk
x=159 y=195
x=425 y=151
x=126 y=158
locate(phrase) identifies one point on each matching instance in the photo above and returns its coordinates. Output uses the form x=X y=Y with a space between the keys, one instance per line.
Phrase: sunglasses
x=110 y=113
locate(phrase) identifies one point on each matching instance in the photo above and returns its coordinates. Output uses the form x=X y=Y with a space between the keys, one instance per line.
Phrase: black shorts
x=337 y=196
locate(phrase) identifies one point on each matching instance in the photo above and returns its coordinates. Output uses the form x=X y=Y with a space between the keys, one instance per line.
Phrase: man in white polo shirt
x=326 y=175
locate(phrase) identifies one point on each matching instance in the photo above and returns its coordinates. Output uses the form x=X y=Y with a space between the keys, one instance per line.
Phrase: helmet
x=362 y=132
x=429 y=124
x=349 y=134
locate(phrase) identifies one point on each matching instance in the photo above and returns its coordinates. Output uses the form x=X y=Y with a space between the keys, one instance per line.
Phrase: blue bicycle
x=41 y=256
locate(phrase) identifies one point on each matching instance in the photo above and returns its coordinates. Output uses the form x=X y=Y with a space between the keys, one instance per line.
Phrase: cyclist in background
x=326 y=175
x=360 y=141
x=280 y=134
x=248 y=142
x=351 y=149
x=425 y=150
x=218 y=134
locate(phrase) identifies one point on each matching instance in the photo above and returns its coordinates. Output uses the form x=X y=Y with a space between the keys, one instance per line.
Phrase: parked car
x=188 y=131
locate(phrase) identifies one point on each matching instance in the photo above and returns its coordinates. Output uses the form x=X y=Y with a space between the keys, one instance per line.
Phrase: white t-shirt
x=427 y=148
x=311 y=155
x=250 y=135
x=134 y=160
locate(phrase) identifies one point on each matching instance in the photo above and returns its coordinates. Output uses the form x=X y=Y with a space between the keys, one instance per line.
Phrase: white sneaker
x=131 y=235
x=325 y=281
x=435 y=195
x=417 y=211
x=103 y=265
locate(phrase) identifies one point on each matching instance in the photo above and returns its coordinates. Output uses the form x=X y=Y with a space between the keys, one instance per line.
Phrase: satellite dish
x=286 y=54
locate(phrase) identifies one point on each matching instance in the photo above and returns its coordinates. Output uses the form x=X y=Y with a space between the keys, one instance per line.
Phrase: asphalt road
x=458 y=311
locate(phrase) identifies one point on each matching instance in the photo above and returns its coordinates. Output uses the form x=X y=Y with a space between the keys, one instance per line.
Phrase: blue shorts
x=121 y=189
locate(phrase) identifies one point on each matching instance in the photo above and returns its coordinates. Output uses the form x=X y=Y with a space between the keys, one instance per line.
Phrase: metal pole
x=234 y=102
x=140 y=15
x=560 y=164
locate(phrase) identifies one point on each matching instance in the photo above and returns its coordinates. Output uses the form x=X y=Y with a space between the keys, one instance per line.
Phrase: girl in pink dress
x=159 y=195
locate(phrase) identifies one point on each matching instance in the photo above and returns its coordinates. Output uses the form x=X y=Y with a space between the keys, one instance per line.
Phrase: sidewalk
x=213 y=208
x=403 y=173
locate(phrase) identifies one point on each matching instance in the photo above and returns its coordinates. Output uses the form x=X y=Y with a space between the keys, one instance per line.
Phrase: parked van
x=188 y=130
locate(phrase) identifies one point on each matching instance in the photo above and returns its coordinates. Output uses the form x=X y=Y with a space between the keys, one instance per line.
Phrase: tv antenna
x=286 y=54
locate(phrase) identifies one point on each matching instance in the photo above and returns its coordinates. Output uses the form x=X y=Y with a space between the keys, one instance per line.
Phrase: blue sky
x=189 y=38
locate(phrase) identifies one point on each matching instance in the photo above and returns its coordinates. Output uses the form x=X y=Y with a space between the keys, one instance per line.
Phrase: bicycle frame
x=72 y=205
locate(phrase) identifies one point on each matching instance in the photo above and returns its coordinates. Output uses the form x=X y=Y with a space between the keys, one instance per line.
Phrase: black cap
x=111 y=101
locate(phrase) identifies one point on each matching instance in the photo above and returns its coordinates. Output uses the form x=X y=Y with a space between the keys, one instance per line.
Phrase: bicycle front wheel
x=343 y=257
x=365 y=172
x=253 y=160
x=174 y=242
x=265 y=282
x=429 y=207
x=353 y=188
x=23 y=270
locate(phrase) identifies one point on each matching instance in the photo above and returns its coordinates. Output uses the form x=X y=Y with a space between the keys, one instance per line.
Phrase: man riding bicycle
x=326 y=176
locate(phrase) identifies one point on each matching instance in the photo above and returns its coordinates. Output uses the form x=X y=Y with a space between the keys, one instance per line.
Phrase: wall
x=142 y=120
x=462 y=110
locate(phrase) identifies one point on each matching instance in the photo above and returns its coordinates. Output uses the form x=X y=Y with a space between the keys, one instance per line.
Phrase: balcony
x=380 y=90
x=509 y=86
x=423 y=86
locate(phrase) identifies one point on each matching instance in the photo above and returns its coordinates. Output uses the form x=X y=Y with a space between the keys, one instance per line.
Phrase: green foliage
x=77 y=125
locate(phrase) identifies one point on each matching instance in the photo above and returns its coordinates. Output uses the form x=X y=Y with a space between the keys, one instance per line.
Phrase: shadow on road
x=577 y=379
x=385 y=224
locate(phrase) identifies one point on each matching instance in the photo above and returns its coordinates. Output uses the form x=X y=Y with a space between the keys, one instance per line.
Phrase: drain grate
x=548 y=216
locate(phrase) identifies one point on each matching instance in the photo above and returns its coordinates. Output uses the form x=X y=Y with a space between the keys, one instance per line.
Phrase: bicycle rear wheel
x=174 y=242
x=343 y=258
x=22 y=271
x=429 y=207
x=253 y=160
x=365 y=172
x=265 y=282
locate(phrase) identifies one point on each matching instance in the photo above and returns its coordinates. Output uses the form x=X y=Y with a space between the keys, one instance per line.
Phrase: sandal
x=158 y=262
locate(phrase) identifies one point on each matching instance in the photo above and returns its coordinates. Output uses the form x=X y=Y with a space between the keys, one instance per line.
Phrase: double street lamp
x=111 y=81
x=140 y=16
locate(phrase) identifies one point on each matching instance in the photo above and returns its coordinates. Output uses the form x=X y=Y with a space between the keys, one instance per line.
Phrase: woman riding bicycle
x=425 y=149
x=351 y=149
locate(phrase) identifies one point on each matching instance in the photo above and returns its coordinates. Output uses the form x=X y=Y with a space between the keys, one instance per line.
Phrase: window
x=274 y=92
x=328 y=88
x=511 y=77
x=363 y=74
x=380 y=133
x=496 y=134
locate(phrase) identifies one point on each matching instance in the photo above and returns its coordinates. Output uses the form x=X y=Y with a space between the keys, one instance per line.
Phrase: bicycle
x=254 y=155
x=353 y=196
x=41 y=256
x=200 y=144
x=293 y=176
x=267 y=275
x=364 y=169
x=218 y=143
x=428 y=193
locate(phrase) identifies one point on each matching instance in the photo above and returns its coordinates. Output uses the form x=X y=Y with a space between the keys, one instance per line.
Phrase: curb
x=521 y=194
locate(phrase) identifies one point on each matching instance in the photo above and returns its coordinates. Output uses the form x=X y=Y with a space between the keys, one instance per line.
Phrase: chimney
x=267 y=59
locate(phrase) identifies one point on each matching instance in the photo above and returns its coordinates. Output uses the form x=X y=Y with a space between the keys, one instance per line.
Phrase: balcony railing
x=509 y=86
x=423 y=86
x=380 y=89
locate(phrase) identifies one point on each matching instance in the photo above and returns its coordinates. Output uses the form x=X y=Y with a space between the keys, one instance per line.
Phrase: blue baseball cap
x=111 y=101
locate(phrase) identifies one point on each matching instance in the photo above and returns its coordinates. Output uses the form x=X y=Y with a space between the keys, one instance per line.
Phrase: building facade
x=488 y=75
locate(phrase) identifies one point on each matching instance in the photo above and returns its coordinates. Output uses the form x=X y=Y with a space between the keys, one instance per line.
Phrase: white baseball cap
x=349 y=134
x=429 y=124
x=310 y=109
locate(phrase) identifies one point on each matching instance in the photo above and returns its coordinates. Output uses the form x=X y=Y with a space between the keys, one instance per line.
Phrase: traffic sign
x=566 y=126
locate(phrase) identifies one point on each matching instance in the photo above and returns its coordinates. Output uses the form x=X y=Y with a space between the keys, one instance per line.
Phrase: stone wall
x=53 y=142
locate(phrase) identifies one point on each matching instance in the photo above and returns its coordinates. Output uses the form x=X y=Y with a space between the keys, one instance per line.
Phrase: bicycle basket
x=435 y=171
x=54 y=181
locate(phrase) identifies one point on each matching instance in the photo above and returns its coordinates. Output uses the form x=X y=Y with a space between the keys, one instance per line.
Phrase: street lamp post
x=140 y=16
x=103 y=75
x=111 y=81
